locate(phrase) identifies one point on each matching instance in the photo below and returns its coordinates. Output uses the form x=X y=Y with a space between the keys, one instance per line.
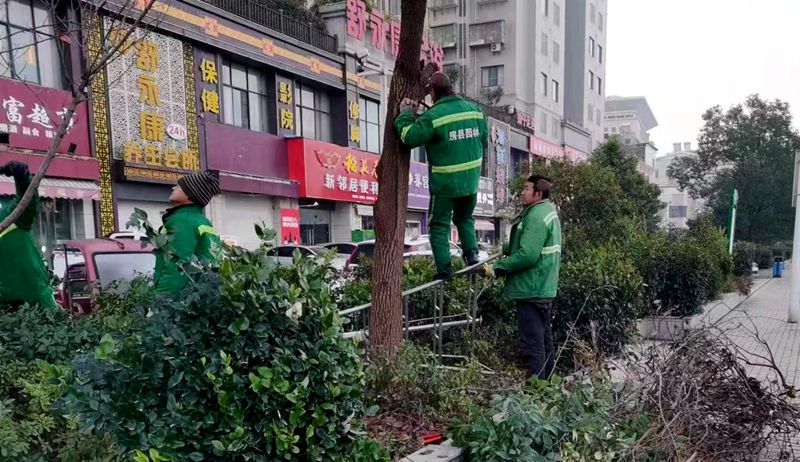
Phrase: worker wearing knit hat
x=191 y=233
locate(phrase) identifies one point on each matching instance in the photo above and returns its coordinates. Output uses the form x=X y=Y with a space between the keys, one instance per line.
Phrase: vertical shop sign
x=152 y=107
x=285 y=101
x=290 y=226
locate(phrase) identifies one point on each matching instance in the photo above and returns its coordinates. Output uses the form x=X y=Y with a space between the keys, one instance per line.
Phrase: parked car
x=754 y=268
x=97 y=265
x=285 y=253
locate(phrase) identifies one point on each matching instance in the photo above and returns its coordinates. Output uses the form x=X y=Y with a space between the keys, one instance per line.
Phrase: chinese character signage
x=149 y=107
x=290 y=226
x=327 y=171
x=207 y=80
x=546 y=149
x=353 y=121
x=499 y=151
x=525 y=120
x=358 y=18
x=31 y=115
x=485 y=205
x=284 y=89
x=418 y=192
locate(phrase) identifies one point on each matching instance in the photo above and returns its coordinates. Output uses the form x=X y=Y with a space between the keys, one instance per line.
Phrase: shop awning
x=56 y=188
x=484 y=225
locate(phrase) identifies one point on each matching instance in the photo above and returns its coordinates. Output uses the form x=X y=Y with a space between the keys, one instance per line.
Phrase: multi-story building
x=585 y=68
x=679 y=207
x=630 y=119
x=518 y=54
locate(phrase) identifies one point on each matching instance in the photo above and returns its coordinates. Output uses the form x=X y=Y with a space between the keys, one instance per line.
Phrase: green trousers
x=442 y=211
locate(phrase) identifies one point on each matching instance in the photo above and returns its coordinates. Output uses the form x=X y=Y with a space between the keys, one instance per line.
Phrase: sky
x=686 y=56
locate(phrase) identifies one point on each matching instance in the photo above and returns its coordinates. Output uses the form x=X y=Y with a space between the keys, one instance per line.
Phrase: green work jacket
x=455 y=134
x=191 y=234
x=23 y=277
x=533 y=254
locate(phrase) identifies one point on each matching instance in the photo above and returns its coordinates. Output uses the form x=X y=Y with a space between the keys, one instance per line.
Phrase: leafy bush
x=553 y=421
x=696 y=268
x=744 y=254
x=600 y=295
x=248 y=364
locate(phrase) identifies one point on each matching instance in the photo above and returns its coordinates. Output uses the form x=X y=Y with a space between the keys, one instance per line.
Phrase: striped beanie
x=200 y=187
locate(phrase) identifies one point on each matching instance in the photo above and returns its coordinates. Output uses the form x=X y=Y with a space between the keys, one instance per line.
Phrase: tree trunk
x=385 y=317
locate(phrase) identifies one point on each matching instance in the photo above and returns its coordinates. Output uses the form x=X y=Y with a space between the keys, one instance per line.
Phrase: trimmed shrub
x=248 y=364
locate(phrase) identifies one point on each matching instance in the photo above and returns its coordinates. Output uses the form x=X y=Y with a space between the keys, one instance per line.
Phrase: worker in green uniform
x=23 y=277
x=190 y=232
x=454 y=132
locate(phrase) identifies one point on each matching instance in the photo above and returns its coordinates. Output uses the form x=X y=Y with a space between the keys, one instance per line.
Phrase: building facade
x=679 y=206
x=34 y=80
x=518 y=55
x=630 y=119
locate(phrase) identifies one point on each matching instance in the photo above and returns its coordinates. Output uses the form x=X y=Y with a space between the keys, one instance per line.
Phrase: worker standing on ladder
x=454 y=132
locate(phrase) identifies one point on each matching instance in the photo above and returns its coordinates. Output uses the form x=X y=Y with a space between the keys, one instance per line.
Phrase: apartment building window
x=554 y=125
x=445 y=35
x=543 y=83
x=677 y=211
x=312 y=113
x=555 y=91
x=591 y=112
x=556 y=14
x=29 y=49
x=592 y=13
x=546 y=7
x=591 y=80
x=543 y=118
x=244 y=97
x=600 y=53
x=491 y=76
x=486 y=33
x=545 y=43
x=598 y=117
x=556 y=52
x=592 y=47
x=369 y=126
x=600 y=21
x=599 y=86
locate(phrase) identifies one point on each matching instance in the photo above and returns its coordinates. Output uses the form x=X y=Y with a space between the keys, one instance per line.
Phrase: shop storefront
x=29 y=117
x=484 y=213
x=338 y=187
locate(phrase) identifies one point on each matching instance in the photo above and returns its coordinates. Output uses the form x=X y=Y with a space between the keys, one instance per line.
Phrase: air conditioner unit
x=496 y=47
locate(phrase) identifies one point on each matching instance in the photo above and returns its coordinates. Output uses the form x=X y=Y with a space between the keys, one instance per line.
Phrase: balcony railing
x=278 y=21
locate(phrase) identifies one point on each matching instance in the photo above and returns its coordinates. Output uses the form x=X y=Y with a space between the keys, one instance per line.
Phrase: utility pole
x=794 y=301
x=732 y=219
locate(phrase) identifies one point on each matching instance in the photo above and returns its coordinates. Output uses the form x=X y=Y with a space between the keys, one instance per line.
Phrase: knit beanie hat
x=200 y=187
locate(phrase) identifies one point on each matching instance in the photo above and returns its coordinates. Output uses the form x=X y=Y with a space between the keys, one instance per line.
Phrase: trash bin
x=777 y=267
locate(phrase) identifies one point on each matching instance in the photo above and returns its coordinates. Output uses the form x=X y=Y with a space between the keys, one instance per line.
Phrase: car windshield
x=123 y=266
x=60 y=261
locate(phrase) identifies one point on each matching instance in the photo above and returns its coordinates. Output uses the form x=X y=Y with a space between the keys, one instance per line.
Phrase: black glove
x=16 y=169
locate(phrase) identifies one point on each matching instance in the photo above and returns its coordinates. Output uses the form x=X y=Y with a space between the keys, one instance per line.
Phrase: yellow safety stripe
x=8 y=230
x=404 y=133
x=551 y=249
x=205 y=229
x=470 y=115
x=457 y=167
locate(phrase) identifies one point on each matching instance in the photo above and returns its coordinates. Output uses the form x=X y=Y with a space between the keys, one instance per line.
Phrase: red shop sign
x=545 y=149
x=31 y=115
x=328 y=171
x=290 y=226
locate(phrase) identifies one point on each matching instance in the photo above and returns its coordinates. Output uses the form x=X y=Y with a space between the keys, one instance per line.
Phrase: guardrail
x=278 y=21
x=441 y=320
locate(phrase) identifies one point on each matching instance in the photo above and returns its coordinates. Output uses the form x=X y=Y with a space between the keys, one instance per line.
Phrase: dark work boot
x=445 y=275
x=471 y=257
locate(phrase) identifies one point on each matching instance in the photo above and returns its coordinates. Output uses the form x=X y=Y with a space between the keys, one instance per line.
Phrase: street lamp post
x=794 y=301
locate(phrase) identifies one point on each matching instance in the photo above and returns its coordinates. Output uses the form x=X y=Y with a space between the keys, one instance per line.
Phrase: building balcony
x=278 y=21
x=442 y=4
x=487 y=33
